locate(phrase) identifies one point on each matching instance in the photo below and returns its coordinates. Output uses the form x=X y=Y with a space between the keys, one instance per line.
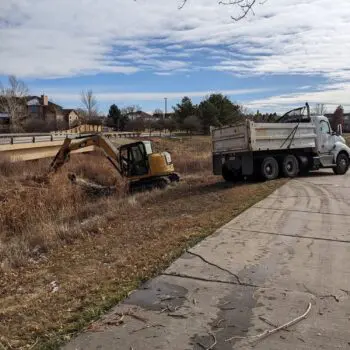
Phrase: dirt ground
x=68 y=256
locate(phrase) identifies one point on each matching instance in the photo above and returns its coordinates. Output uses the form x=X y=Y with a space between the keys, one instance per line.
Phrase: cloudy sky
x=138 y=52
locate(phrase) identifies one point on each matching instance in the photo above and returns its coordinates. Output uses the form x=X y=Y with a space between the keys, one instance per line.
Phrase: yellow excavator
x=134 y=161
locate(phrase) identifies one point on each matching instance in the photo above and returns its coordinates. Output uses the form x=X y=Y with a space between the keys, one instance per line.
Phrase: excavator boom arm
x=70 y=145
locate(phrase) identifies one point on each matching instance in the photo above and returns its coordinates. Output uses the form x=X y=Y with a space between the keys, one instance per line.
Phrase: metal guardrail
x=22 y=147
x=11 y=139
x=25 y=134
x=122 y=135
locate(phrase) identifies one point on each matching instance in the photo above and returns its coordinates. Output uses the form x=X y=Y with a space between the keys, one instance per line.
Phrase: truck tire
x=269 y=168
x=290 y=166
x=229 y=175
x=342 y=164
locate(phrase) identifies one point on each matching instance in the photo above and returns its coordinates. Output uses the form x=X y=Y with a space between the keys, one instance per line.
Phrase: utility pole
x=166 y=106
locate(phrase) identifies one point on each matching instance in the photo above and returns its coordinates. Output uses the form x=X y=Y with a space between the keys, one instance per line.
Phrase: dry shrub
x=21 y=170
x=189 y=163
x=30 y=218
x=190 y=154
x=5 y=166
x=95 y=168
x=37 y=215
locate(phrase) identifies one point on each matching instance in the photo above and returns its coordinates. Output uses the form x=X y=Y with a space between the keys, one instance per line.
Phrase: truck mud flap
x=247 y=164
x=217 y=164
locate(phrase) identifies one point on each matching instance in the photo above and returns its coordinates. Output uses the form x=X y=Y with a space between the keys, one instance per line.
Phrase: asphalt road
x=259 y=271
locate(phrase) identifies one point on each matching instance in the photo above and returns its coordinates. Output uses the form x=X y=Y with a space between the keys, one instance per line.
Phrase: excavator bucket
x=61 y=157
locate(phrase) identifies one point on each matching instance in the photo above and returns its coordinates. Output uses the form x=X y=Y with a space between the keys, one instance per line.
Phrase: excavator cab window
x=134 y=160
x=124 y=161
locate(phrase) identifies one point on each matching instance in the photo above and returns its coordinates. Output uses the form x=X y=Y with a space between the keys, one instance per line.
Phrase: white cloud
x=337 y=94
x=167 y=65
x=305 y=87
x=174 y=47
x=163 y=73
x=64 y=37
x=147 y=96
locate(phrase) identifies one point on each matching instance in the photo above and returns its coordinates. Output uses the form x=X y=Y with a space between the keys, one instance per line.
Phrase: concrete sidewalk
x=259 y=271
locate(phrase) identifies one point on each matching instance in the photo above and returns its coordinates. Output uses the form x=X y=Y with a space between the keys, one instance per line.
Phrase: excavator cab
x=134 y=159
x=139 y=162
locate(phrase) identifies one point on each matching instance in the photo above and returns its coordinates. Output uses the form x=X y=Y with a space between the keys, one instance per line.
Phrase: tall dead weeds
x=35 y=217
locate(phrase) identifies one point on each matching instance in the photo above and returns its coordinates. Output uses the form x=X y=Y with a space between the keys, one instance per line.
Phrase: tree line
x=213 y=111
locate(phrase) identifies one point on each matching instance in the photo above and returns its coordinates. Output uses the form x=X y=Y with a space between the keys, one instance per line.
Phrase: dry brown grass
x=97 y=249
x=190 y=154
x=34 y=214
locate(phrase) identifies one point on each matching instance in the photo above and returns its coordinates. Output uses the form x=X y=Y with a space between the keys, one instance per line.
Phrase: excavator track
x=136 y=186
x=152 y=183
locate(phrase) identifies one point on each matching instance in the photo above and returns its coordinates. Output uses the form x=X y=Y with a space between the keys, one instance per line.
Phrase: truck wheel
x=269 y=168
x=229 y=175
x=290 y=166
x=342 y=164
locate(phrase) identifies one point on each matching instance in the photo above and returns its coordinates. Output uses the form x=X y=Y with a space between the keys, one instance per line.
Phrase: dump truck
x=295 y=144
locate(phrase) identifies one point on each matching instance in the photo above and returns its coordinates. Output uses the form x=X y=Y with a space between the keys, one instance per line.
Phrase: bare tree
x=245 y=6
x=158 y=113
x=245 y=111
x=82 y=115
x=12 y=101
x=137 y=124
x=131 y=109
x=320 y=109
x=89 y=102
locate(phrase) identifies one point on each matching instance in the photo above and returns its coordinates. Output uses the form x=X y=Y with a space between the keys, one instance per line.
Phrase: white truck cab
x=329 y=143
x=296 y=143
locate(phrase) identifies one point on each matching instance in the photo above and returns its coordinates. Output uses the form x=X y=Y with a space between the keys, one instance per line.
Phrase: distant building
x=71 y=117
x=42 y=108
x=163 y=115
x=39 y=108
x=140 y=114
x=4 y=122
x=346 y=126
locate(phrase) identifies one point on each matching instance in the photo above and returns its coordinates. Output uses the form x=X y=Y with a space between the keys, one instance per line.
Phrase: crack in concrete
x=240 y=283
x=322 y=296
x=301 y=211
x=310 y=250
x=180 y=275
x=217 y=266
x=322 y=184
x=329 y=296
x=294 y=236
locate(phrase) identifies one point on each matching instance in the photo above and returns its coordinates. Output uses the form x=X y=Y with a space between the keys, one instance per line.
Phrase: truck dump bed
x=250 y=137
